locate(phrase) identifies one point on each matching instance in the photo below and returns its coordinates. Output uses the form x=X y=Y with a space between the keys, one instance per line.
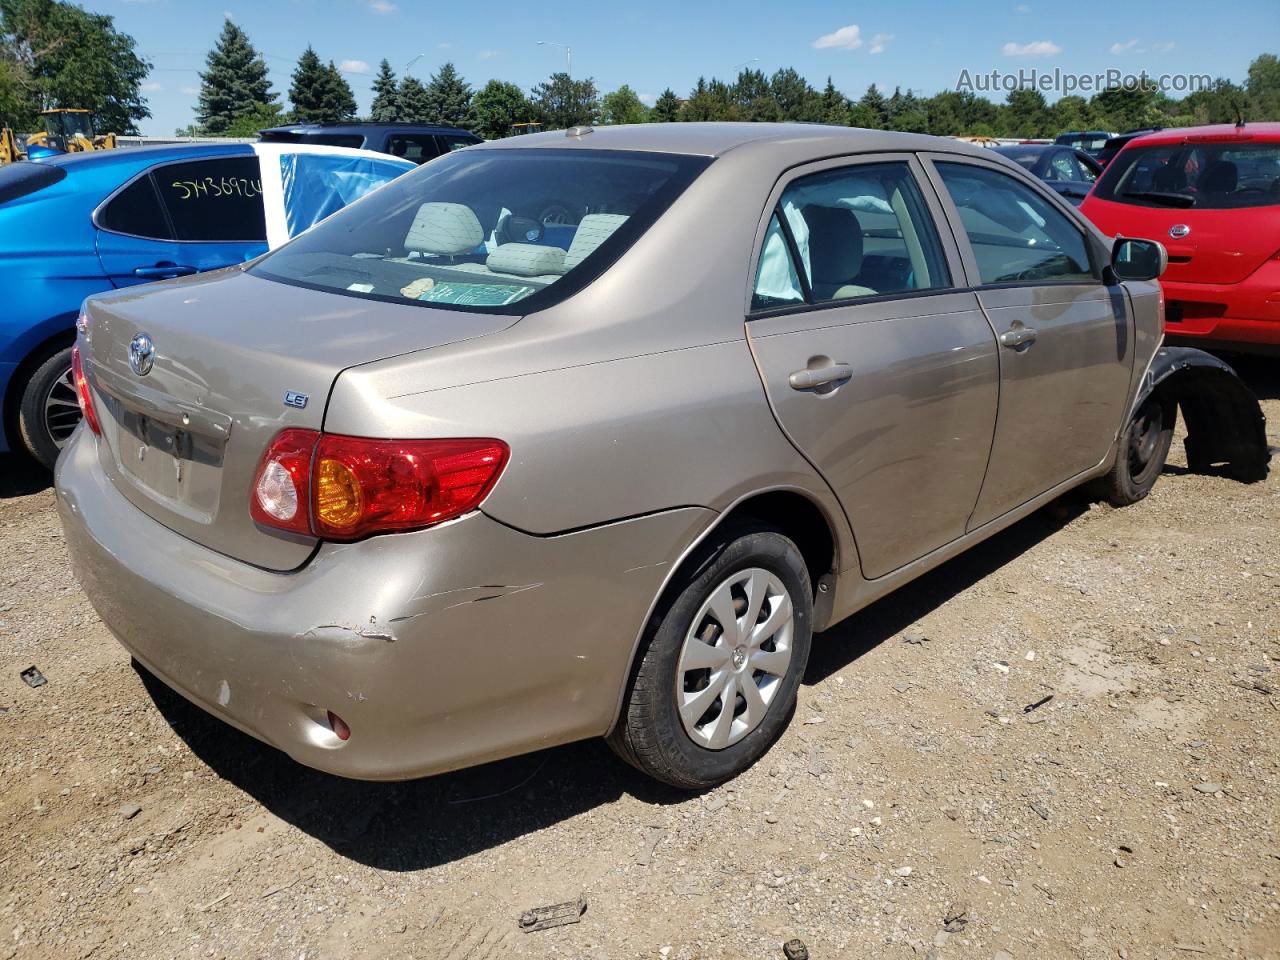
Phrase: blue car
x=79 y=224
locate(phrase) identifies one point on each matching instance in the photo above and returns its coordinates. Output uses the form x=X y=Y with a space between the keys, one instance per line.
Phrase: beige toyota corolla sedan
x=586 y=434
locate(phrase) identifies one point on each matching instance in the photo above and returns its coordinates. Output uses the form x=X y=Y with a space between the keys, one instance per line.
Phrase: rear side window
x=777 y=282
x=418 y=148
x=23 y=179
x=1017 y=235
x=457 y=143
x=218 y=200
x=1200 y=175
x=136 y=211
x=861 y=231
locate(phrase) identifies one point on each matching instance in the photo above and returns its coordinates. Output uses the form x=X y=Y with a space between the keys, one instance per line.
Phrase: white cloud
x=879 y=42
x=1164 y=47
x=444 y=44
x=489 y=54
x=151 y=87
x=846 y=38
x=1037 y=48
x=354 y=66
x=648 y=99
x=1022 y=8
x=190 y=91
x=382 y=6
x=1118 y=48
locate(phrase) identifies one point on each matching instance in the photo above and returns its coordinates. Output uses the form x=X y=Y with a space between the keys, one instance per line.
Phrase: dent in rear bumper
x=441 y=648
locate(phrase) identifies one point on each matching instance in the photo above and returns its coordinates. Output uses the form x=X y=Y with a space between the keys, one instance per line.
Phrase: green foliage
x=796 y=99
x=499 y=105
x=1128 y=108
x=563 y=102
x=414 y=104
x=234 y=84
x=874 y=112
x=666 y=109
x=449 y=99
x=319 y=93
x=835 y=106
x=56 y=54
x=1026 y=114
x=1263 y=87
x=386 y=102
x=250 y=122
x=623 y=106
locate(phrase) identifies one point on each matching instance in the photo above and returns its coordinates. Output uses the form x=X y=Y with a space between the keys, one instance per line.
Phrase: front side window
x=1063 y=166
x=211 y=201
x=417 y=149
x=136 y=211
x=1017 y=235
x=862 y=231
x=1203 y=175
x=494 y=231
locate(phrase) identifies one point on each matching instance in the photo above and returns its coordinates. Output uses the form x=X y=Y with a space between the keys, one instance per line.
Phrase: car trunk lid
x=236 y=360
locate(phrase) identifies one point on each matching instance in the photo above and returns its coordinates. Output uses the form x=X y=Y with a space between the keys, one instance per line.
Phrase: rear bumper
x=441 y=648
x=1245 y=313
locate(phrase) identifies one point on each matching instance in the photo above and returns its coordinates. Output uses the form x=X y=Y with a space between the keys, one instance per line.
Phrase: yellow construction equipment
x=70 y=130
x=10 y=152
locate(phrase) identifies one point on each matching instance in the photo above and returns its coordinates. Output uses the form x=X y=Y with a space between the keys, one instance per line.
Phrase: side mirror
x=1133 y=259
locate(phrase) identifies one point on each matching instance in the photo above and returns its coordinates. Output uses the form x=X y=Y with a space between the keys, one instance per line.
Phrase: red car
x=1211 y=195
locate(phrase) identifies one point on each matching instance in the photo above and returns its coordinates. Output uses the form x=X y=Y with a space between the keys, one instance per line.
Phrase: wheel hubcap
x=62 y=409
x=1144 y=437
x=734 y=658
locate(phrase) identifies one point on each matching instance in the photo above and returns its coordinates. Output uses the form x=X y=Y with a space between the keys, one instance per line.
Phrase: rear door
x=879 y=370
x=181 y=218
x=1066 y=339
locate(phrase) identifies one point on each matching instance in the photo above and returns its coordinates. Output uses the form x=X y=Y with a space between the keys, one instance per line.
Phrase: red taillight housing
x=82 y=392
x=345 y=488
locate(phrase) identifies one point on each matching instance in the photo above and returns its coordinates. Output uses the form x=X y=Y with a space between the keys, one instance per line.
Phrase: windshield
x=1205 y=175
x=495 y=231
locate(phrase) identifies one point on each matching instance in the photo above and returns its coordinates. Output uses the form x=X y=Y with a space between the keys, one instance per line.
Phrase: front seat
x=1221 y=177
x=835 y=252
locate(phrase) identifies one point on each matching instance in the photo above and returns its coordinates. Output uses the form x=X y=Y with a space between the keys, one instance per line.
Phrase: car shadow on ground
x=1262 y=374
x=436 y=820
x=21 y=477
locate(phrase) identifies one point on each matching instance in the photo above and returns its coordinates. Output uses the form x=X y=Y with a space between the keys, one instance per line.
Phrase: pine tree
x=835 y=108
x=235 y=83
x=307 y=91
x=499 y=106
x=449 y=99
x=386 y=101
x=667 y=107
x=413 y=100
x=338 y=102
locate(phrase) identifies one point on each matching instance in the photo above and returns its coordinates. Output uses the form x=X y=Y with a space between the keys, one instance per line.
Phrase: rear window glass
x=1205 y=176
x=324 y=139
x=213 y=201
x=23 y=179
x=493 y=231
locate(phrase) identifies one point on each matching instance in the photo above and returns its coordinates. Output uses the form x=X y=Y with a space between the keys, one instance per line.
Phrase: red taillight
x=82 y=392
x=344 y=488
x=338 y=725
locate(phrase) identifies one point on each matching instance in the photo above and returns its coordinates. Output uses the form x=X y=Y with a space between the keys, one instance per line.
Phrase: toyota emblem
x=142 y=354
x=1179 y=230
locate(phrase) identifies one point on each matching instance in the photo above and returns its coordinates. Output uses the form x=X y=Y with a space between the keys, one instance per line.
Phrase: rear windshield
x=493 y=231
x=23 y=179
x=1206 y=176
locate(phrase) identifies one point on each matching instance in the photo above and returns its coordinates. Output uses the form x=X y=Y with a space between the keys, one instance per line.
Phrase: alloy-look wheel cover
x=735 y=656
x=62 y=409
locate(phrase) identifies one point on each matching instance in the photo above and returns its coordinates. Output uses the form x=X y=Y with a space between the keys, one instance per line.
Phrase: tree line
x=54 y=53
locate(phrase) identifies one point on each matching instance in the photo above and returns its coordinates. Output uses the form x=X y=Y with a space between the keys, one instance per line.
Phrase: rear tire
x=1142 y=451
x=690 y=719
x=49 y=410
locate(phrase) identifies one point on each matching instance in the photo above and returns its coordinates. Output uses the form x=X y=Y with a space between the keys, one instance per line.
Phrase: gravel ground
x=1133 y=813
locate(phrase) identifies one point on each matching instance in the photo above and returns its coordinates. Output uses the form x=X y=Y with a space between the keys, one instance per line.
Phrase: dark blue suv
x=413 y=141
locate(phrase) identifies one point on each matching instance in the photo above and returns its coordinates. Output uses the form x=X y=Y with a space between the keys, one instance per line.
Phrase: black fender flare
x=1226 y=428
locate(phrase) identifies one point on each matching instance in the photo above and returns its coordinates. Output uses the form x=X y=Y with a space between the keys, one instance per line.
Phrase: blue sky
x=659 y=43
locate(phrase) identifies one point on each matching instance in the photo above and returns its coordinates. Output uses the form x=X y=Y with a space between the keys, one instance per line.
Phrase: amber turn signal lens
x=339 y=502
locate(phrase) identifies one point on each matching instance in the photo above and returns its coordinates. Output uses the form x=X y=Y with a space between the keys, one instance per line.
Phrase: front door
x=880 y=372
x=1066 y=339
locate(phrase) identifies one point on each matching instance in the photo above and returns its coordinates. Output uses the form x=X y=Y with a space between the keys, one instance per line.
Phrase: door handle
x=162 y=271
x=808 y=379
x=1018 y=337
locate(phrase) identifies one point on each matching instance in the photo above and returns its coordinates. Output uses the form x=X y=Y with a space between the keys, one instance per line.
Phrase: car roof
x=717 y=139
x=146 y=156
x=1014 y=149
x=364 y=126
x=1224 y=132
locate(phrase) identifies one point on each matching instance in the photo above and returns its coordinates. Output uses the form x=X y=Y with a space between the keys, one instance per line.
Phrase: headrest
x=1221 y=177
x=526 y=259
x=835 y=243
x=444 y=229
x=594 y=230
